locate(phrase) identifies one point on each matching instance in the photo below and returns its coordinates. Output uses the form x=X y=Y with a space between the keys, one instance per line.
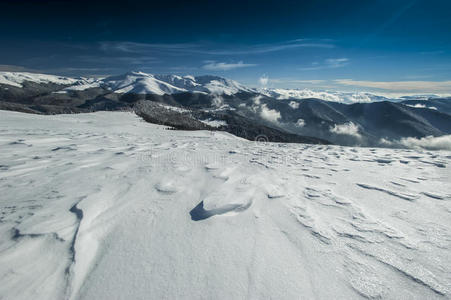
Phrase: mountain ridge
x=245 y=112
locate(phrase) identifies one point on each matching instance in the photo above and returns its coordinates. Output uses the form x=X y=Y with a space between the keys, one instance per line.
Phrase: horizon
x=378 y=47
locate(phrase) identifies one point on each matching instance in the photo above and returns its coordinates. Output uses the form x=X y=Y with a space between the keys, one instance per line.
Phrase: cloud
x=313 y=81
x=294 y=104
x=336 y=62
x=133 y=47
x=300 y=123
x=257 y=99
x=268 y=114
x=264 y=80
x=211 y=48
x=401 y=86
x=330 y=63
x=418 y=105
x=140 y=60
x=346 y=129
x=222 y=66
x=428 y=143
x=268 y=48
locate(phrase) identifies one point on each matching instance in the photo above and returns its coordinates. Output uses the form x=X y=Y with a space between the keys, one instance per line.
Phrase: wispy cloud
x=113 y=60
x=222 y=66
x=268 y=48
x=313 y=81
x=400 y=86
x=264 y=80
x=133 y=47
x=211 y=48
x=330 y=63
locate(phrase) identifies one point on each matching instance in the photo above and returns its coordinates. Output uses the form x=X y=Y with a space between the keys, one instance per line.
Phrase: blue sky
x=378 y=45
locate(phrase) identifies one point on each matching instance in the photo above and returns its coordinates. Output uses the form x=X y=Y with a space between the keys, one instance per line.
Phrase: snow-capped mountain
x=157 y=84
x=143 y=83
x=133 y=83
x=16 y=79
x=140 y=83
x=282 y=115
x=334 y=96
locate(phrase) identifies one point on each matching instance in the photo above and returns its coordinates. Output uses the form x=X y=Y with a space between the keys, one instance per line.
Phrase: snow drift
x=104 y=205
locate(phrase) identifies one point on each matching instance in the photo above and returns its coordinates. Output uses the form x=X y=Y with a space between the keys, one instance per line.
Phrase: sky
x=387 y=46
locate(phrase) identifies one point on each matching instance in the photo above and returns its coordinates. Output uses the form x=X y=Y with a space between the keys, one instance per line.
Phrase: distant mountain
x=342 y=97
x=17 y=79
x=280 y=115
x=144 y=83
x=440 y=104
x=139 y=83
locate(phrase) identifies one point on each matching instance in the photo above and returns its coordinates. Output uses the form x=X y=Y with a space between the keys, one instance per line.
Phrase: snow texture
x=106 y=206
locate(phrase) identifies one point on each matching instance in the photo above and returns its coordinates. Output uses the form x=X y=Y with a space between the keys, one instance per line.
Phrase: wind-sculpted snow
x=106 y=206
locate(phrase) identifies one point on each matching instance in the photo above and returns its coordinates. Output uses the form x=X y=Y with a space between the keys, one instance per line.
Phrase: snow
x=334 y=96
x=214 y=123
x=143 y=83
x=104 y=205
x=17 y=78
x=140 y=83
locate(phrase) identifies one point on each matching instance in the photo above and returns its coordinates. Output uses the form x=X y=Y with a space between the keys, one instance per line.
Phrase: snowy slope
x=17 y=78
x=133 y=82
x=106 y=206
x=140 y=83
x=143 y=83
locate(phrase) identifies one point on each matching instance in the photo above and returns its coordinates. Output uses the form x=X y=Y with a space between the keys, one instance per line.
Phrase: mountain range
x=215 y=103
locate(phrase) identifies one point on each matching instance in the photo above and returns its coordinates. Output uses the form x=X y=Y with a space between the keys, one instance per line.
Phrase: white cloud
x=313 y=81
x=268 y=114
x=264 y=80
x=294 y=104
x=346 y=129
x=418 y=105
x=336 y=62
x=218 y=101
x=330 y=63
x=300 y=123
x=428 y=143
x=211 y=48
x=401 y=86
x=222 y=66
x=256 y=99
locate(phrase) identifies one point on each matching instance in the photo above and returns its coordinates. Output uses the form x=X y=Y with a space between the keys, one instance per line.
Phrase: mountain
x=142 y=83
x=139 y=83
x=17 y=79
x=347 y=119
x=439 y=104
x=341 y=97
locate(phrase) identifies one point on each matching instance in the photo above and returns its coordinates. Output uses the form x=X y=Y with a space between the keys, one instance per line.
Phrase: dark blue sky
x=397 y=45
